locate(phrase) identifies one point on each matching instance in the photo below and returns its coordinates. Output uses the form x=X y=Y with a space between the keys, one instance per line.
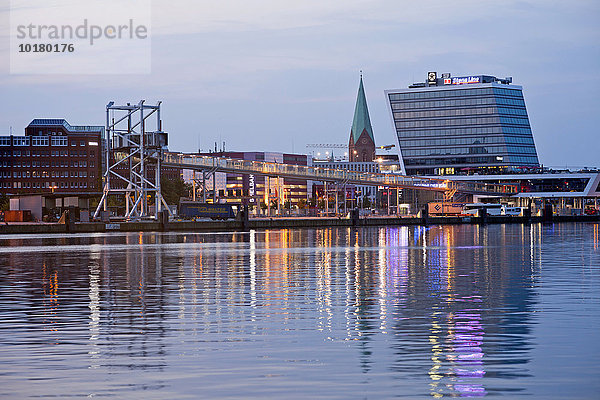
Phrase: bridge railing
x=327 y=174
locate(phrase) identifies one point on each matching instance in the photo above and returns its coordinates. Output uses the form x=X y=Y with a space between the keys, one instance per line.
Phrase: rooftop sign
x=461 y=80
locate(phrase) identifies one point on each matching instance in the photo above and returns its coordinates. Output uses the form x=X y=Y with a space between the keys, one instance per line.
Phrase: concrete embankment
x=271 y=223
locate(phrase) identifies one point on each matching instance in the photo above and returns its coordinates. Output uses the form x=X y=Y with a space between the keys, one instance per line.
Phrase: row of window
x=514 y=121
x=43 y=174
x=508 y=92
x=504 y=101
x=464 y=131
x=41 y=141
x=448 y=122
x=462 y=121
x=512 y=111
x=548 y=185
x=359 y=167
x=468 y=150
x=42 y=164
x=453 y=151
x=519 y=139
x=25 y=164
x=521 y=149
x=441 y=94
x=457 y=112
x=482 y=101
x=450 y=132
x=47 y=153
x=518 y=130
x=456 y=93
x=524 y=160
x=479 y=160
x=46 y=185
x=494 y=139
x=72 y=174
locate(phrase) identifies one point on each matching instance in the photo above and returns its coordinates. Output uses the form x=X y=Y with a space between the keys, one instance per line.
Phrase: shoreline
x=274 y=223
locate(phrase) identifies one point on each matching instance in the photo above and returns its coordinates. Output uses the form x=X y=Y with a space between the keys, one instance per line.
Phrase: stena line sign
x=462 y=80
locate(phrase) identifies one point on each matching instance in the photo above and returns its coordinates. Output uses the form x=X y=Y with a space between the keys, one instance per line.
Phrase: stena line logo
x=465 y=80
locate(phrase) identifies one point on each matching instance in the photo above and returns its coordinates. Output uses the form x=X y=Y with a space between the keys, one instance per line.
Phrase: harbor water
x=410 y=312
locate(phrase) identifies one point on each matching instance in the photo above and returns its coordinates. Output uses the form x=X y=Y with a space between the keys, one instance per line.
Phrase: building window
x=59 y=141
x=21 y=141
x=39 y=140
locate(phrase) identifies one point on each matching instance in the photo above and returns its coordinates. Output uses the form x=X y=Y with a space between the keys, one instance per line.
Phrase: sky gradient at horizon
x=275 y=76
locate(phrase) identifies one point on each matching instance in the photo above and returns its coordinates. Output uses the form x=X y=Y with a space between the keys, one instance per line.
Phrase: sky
x=272 y=75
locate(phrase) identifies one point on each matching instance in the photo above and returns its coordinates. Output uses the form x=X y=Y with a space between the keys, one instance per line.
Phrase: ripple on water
x=463 y=311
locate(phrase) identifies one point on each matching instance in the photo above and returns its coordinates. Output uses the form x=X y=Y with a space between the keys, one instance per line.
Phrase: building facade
x=451 y=125
x=361 y=145
x=52 y=156
x=359 y=192
x=255 y=190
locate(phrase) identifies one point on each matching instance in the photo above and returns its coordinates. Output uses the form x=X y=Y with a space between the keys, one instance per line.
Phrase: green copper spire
x=361 y=120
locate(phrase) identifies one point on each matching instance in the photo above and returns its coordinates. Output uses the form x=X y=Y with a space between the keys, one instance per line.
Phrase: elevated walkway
x=219 y=164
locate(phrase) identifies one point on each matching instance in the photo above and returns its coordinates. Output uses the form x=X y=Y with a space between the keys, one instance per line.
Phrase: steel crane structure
x=134 y=146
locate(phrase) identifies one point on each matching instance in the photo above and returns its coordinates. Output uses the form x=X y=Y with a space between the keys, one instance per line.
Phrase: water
x=408 y=312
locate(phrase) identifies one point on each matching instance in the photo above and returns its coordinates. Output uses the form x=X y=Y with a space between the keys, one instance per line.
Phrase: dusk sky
x=275 y=75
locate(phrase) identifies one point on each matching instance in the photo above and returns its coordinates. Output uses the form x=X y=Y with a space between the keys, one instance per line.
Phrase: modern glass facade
x=451 y=126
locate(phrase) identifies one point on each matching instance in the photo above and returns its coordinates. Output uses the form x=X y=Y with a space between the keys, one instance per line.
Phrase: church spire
x=361 y=121
x=362 y=142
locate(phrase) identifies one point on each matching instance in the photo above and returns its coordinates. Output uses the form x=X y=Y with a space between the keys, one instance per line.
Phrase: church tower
x=361 y=147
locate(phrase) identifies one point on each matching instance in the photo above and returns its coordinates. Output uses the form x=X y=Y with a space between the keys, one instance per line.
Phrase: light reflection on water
x=415 y=312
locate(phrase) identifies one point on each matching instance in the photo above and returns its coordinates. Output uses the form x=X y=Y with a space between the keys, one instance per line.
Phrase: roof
x=361 y=120
x=65 y=124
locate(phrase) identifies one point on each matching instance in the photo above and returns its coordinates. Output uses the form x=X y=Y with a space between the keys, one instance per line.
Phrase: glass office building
x=456 y=125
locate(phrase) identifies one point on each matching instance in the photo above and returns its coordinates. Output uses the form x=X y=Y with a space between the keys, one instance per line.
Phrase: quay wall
x=272 y=223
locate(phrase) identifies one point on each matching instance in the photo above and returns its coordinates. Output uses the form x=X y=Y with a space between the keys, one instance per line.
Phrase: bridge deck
x=219 y=164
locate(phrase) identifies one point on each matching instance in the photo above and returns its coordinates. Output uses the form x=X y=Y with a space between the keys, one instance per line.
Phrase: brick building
x=52 y=156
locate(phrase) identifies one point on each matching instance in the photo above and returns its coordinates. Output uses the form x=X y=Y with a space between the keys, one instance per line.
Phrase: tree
x=301 y=204
x=173 y=190
x=366 y=202
x=4 y=202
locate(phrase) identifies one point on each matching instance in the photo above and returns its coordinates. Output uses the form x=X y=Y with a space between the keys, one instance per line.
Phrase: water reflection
x=420 y=311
